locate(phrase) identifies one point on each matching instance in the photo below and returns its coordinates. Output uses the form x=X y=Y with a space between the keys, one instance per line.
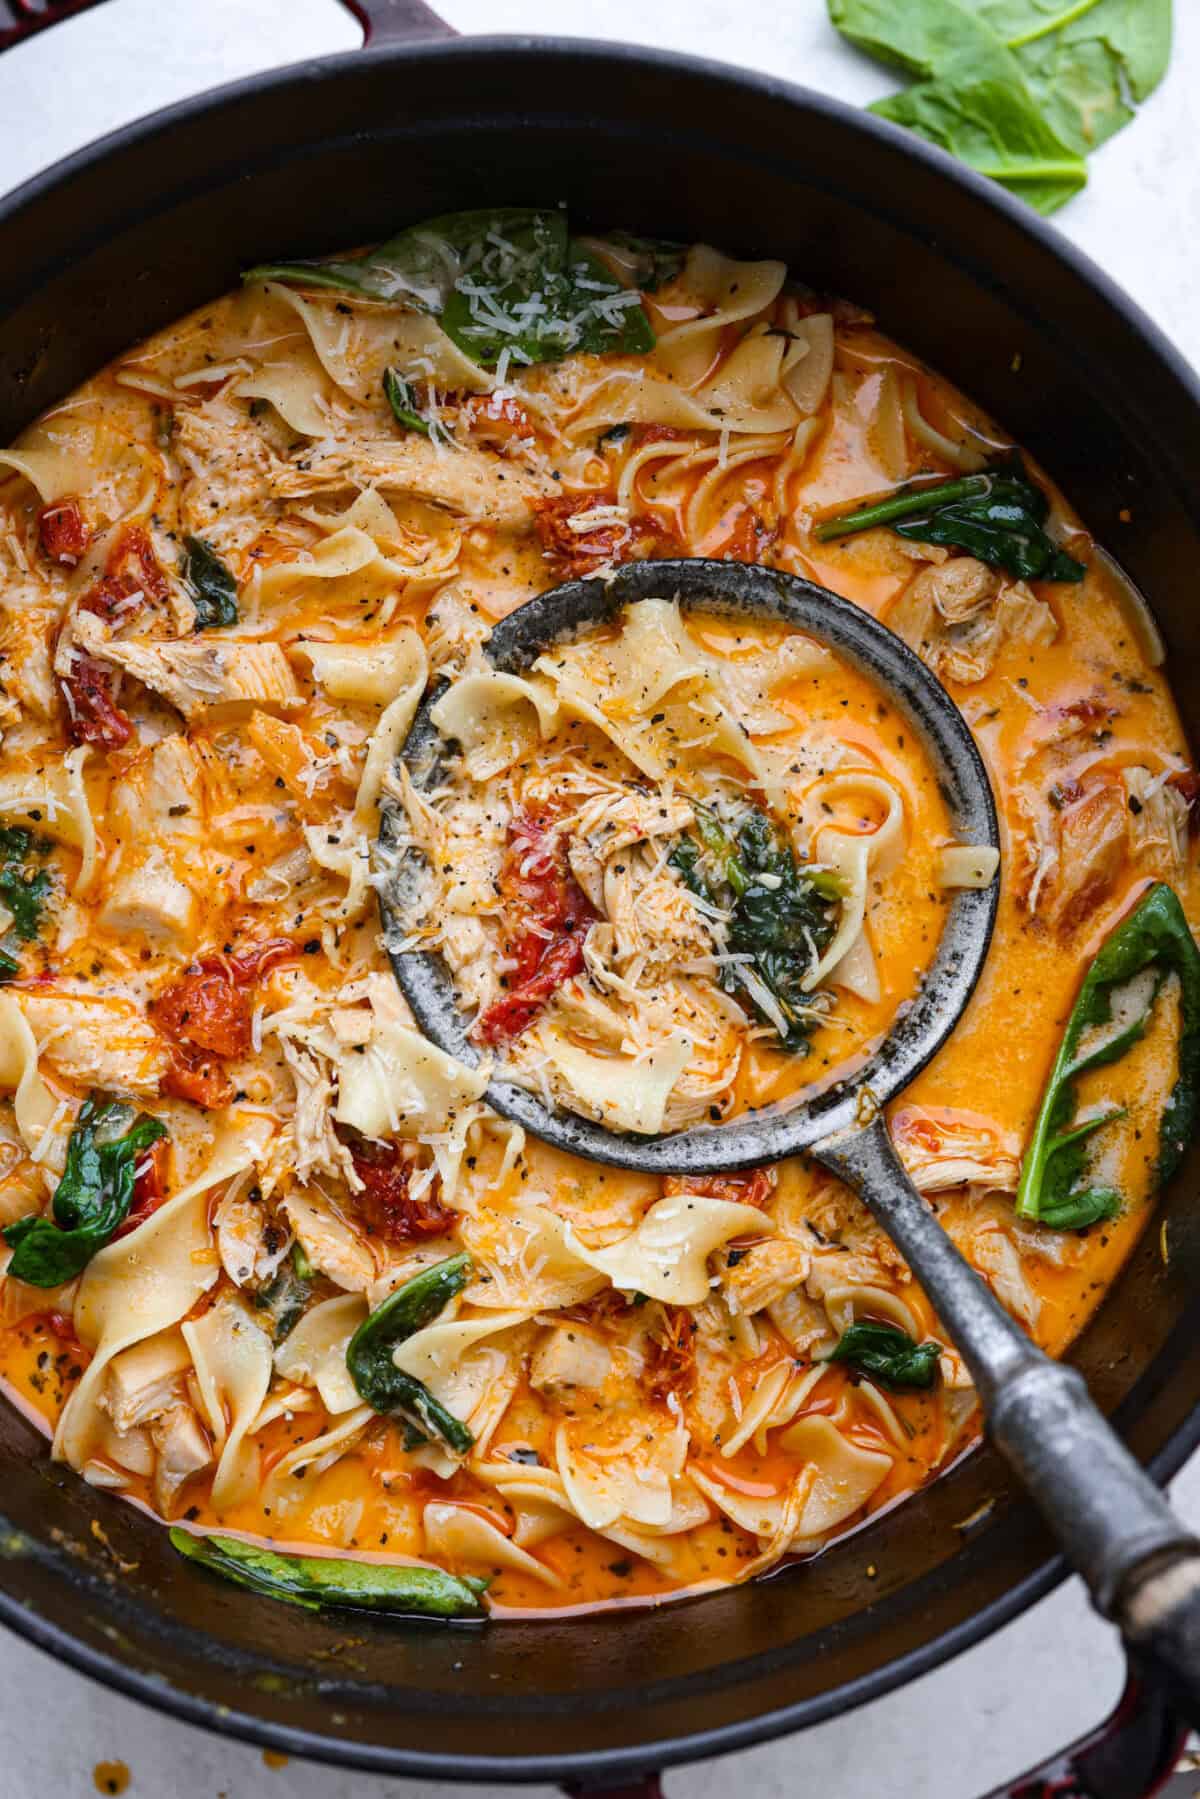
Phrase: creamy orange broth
x=825 y=711
x=1069 y=714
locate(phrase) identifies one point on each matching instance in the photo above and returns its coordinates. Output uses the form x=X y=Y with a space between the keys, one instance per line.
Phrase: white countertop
x=1044 y=1679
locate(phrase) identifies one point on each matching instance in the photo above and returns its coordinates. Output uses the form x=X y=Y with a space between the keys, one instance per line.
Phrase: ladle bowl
x=1141 y=1565
x=729 y=588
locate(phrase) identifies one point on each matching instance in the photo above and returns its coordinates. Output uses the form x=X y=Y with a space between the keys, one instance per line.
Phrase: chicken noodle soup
x=273 y=1269
x=659 y=866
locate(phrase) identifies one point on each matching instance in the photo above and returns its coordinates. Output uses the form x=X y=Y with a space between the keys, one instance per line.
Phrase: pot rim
x=598 y=1767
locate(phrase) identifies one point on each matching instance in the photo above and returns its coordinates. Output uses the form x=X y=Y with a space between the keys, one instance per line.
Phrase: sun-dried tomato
x=206 y=1008
x=63 y=531
x=750 y=1187
x=133 y=568
x=131 y=577
x=208 y=1013
x=500 y=422
x=1187 y=783
x=509 y=1016
x=552 y=915
x=745 y=538
x=574 y=553
x=193 y=1076
x=93 y=715
x=655 y=434
x=671 y=1354
x=149 y=1186
x=386 y=1200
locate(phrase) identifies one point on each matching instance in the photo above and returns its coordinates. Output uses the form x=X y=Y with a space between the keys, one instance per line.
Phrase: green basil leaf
x=890 y=1356
x=403 y=402
x=421 y=264
x=1077 y=1211
x=23 y=890
x=998 y=516
x=1155 y=936
x=92 y=1198
x=211 y=585
x=504 y=279
x=656 y=261
x=778 y=921
x=318 y=1581
x=377 y=1379
x=286 y=1296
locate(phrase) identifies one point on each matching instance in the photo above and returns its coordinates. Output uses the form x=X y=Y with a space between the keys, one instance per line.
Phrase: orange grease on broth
x=996 y=1062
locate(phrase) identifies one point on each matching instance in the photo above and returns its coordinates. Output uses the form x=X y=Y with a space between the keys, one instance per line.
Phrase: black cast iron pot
x=120 y=240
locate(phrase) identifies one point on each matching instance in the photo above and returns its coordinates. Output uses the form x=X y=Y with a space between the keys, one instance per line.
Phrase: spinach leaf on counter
x=888 y=1354
x=316 y=1581
x=211 y=585
x=1021 y=90
x=998 y=516
x=1154 y=939
x=781 y=915
x=508 y=279
x=376 y=1377
x=92 y=1198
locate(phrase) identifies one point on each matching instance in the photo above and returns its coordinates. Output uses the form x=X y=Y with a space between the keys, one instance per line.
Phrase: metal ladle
x=1141 y=1564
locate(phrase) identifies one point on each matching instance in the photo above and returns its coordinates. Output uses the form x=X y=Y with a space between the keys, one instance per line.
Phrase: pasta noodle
x=271 y=1264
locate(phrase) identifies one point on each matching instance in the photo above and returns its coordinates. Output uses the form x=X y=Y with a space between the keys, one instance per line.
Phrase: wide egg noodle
x=495 y=719
x=40 y=1117
x=357 y=344
x=145 y=1282
x=231 y=1356
x=314 y=1352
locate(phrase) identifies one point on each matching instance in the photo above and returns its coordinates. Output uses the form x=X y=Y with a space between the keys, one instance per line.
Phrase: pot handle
x=383 y=21
x=396 y=21
x=1140 y=1562
x=28 y=18
x=1129 y=1756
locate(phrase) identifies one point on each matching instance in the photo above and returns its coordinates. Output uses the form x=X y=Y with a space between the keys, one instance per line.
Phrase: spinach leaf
x=1083 y=63
x=10 y=968
x=999 y=516
x=316 y=1581
x=23 y=890
x=210 y=584
x=376 y=1377
x=887 y=1354
x=781 y=915
x=1021 y=90
x=656 y=261
x=403 y=402
x=286 y=1295
x=1155 y=936
x=508 y=279
x=92 y=1198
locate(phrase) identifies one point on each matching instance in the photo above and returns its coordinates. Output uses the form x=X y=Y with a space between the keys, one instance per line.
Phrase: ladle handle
x=1140 y=1563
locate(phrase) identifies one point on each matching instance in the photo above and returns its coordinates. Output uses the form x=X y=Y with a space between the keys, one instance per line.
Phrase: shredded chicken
x=182 y=1449
x=473 y=483
x=958 y=617
x=198 y=675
